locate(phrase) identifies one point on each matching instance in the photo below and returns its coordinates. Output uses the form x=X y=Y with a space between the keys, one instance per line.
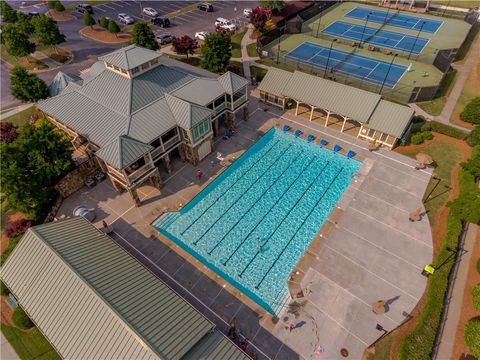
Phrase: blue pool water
x=254 y=222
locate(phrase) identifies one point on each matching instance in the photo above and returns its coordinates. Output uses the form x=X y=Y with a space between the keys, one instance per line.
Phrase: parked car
x=247 y=12
x=150 y=11
x=164 y=38
x=205 y=7
x=201 y=35
x=161 y=21
x=225 y=24
x=33 y=13
x=125 y=19
x=83 y=8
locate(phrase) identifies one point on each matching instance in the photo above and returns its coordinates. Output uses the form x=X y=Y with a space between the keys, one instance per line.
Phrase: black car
x=161 y=21
x=33 y=14
x=205 y=7
x=83 y=8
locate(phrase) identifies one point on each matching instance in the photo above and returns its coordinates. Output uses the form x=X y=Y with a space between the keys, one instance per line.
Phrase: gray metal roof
x=232 y=82
x=123 y=151
x=187 y=115
x=200 y=91
x=215 y=346
x=391 y=118
x=275 y=81
x=60 y=82
x=92 y=300
x=130 y=57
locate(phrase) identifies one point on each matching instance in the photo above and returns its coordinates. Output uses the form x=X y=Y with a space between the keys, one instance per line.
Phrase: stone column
x=133 y=193
x=156 y=180
x=230 y=121
x=215 y=127
x=246 y=112
x=194 y=158
x=182 y=150
x=167 y=162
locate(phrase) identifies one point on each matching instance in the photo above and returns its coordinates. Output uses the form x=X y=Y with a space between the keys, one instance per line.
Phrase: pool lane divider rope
x=296 y=232
x=234 y=202
x=223 y=193
x=271 y=207
x=285 y=216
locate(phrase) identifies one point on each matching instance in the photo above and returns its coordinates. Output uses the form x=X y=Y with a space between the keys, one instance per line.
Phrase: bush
x=478 y=266
x=444 y=129
x=473 y=138
x=471 y=113
x=417 y=139
x=3 y=289
x=427 y=135
x=59 y=6
x=472 y=336
x=417 y=122
x=17 y=227
x=476 y=297
x=8 y=132
x=21 y=319
x=103 y=22
x=472 y=165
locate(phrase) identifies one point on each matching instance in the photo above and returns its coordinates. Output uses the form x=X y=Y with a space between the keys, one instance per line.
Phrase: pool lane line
x=285 y=216
x=275 y=204
x=224 y=192
x=255 y=202
x=236 y=201
x=296 y=232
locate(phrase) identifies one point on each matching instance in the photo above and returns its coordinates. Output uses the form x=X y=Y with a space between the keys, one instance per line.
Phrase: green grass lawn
x=20 y=118
x=252 y=50
x=58 y=53
x=382 y=349
x=28 y=62
x=238 y=64
x=30 y=345
x=435 y=106
x=236 y=40
x=258 y=72
x=445 y=156
x=457 y=3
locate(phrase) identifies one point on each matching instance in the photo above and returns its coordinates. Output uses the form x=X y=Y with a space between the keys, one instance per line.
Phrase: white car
x=150 y=11
x=247 y=12
x=201 y=35
x=125 y=19
x=225 y=24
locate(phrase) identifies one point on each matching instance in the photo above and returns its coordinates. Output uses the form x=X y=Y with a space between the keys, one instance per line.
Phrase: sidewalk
x=246 y=59
x=6 y=350
x=447 y=339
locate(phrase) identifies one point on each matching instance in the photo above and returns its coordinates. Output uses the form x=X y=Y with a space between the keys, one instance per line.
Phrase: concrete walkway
x=6 y=350
x=454 y=303
x=246 y=59
x=13 y=111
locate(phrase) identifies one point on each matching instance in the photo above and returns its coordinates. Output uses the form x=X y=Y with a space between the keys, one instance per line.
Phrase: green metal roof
x=391 y=118
x=275 y=80
x=123 y=151
x=200 y=91
x=232 y=82
x=215 y=346
x=130 y=57
x=92 y=300
x=186 y=114
x=60 y=82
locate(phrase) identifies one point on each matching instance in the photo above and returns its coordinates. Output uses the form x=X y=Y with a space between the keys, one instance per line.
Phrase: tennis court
x=378 y=37
x=393 y=18
x=360 y=67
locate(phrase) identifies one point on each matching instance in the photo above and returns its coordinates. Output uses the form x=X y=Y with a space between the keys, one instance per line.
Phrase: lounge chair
x=298 y=133
x=373 y=145
x=310 y=138
x=286 y=128
x=337 y=148
x=323 y=142
x=350 y=154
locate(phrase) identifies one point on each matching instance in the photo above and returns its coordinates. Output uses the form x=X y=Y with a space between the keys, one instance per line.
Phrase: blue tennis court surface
x=357 y=66
x=393 y=18
x=374 y=36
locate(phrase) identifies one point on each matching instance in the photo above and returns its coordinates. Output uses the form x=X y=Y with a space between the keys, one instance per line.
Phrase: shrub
x=233 y=68
x=427 y=135
x=17 y=227
x=113 y=27
x=417 y=139
x=478 y=266
x=59 y=6
x=417 y=122
x=472 y=165
x=473 y=138
x=3 y=289
x=476 y=297
x=8 y=132
x=444 y=129
x=21 y=319
x=471 y=113
x=103 y=22
x=472 y=336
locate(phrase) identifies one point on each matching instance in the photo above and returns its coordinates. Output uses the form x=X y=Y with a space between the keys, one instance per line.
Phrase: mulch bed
x=103 y=36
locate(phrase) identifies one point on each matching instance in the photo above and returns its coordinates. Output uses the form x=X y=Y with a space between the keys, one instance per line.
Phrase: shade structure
x=424 y=158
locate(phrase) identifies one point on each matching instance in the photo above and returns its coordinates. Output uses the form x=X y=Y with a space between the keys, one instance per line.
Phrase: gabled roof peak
x=130 y=57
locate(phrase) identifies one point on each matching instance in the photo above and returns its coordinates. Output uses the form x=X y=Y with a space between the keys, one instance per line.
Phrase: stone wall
x=75 y=179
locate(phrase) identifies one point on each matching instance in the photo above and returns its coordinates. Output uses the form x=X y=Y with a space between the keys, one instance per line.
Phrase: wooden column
x=345 y=118
x=296 y=110
x=360 y=131
x=328 y=115
x=311 y=113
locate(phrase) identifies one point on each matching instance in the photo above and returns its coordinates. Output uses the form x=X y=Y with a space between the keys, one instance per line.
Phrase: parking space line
x=189 y=16
x=111 y=8
x=136 y=17
x=100 y=9
x=115 y=3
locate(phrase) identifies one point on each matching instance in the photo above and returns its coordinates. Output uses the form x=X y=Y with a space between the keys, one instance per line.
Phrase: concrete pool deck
x=367 y=251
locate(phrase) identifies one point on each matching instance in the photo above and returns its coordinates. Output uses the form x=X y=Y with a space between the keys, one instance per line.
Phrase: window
x=210 y=106
x=262 y=95
x=201 y=129
x=135 y=70
x=155 y=143
x=153 y=62
x=371 y=133
x=383 y=138
x=145 y=66
x=238 y=95
x=169 y=135
x=219 y=101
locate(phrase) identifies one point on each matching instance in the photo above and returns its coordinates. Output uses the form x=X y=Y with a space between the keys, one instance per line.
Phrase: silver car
x=125 y=19
x=165 y=38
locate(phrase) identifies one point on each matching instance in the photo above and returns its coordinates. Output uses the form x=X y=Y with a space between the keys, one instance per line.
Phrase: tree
x=476 y=297
x=25 y=23
x=472 y=165
x=3 y=289
x=27 y=87
x=47 y=31
x=216 y=52
x=274 y=6
x=8 y=132
x=9 y=15
x=113 y=27
x=35 y=160
x=472 y=336
x=473 y=138
x=471 y=113
x=103 y=22
x=467 y=206
x=143 y=35
x=17 y=43
x=184 y=45
x=59 y=7
x=21 y=319
x=51 y=4
x=258 y=18
x=88 y=20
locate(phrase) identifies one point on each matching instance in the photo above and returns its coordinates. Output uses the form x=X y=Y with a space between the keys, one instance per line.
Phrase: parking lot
x=185 y=24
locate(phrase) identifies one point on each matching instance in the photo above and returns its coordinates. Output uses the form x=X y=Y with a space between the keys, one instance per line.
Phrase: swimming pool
x=254 y=222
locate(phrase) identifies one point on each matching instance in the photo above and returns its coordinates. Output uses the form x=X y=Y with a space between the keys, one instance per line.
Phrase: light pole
x=278 y=46
x=386 y=75
x=416 y=38
x=364 y=27
x=328 y=60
